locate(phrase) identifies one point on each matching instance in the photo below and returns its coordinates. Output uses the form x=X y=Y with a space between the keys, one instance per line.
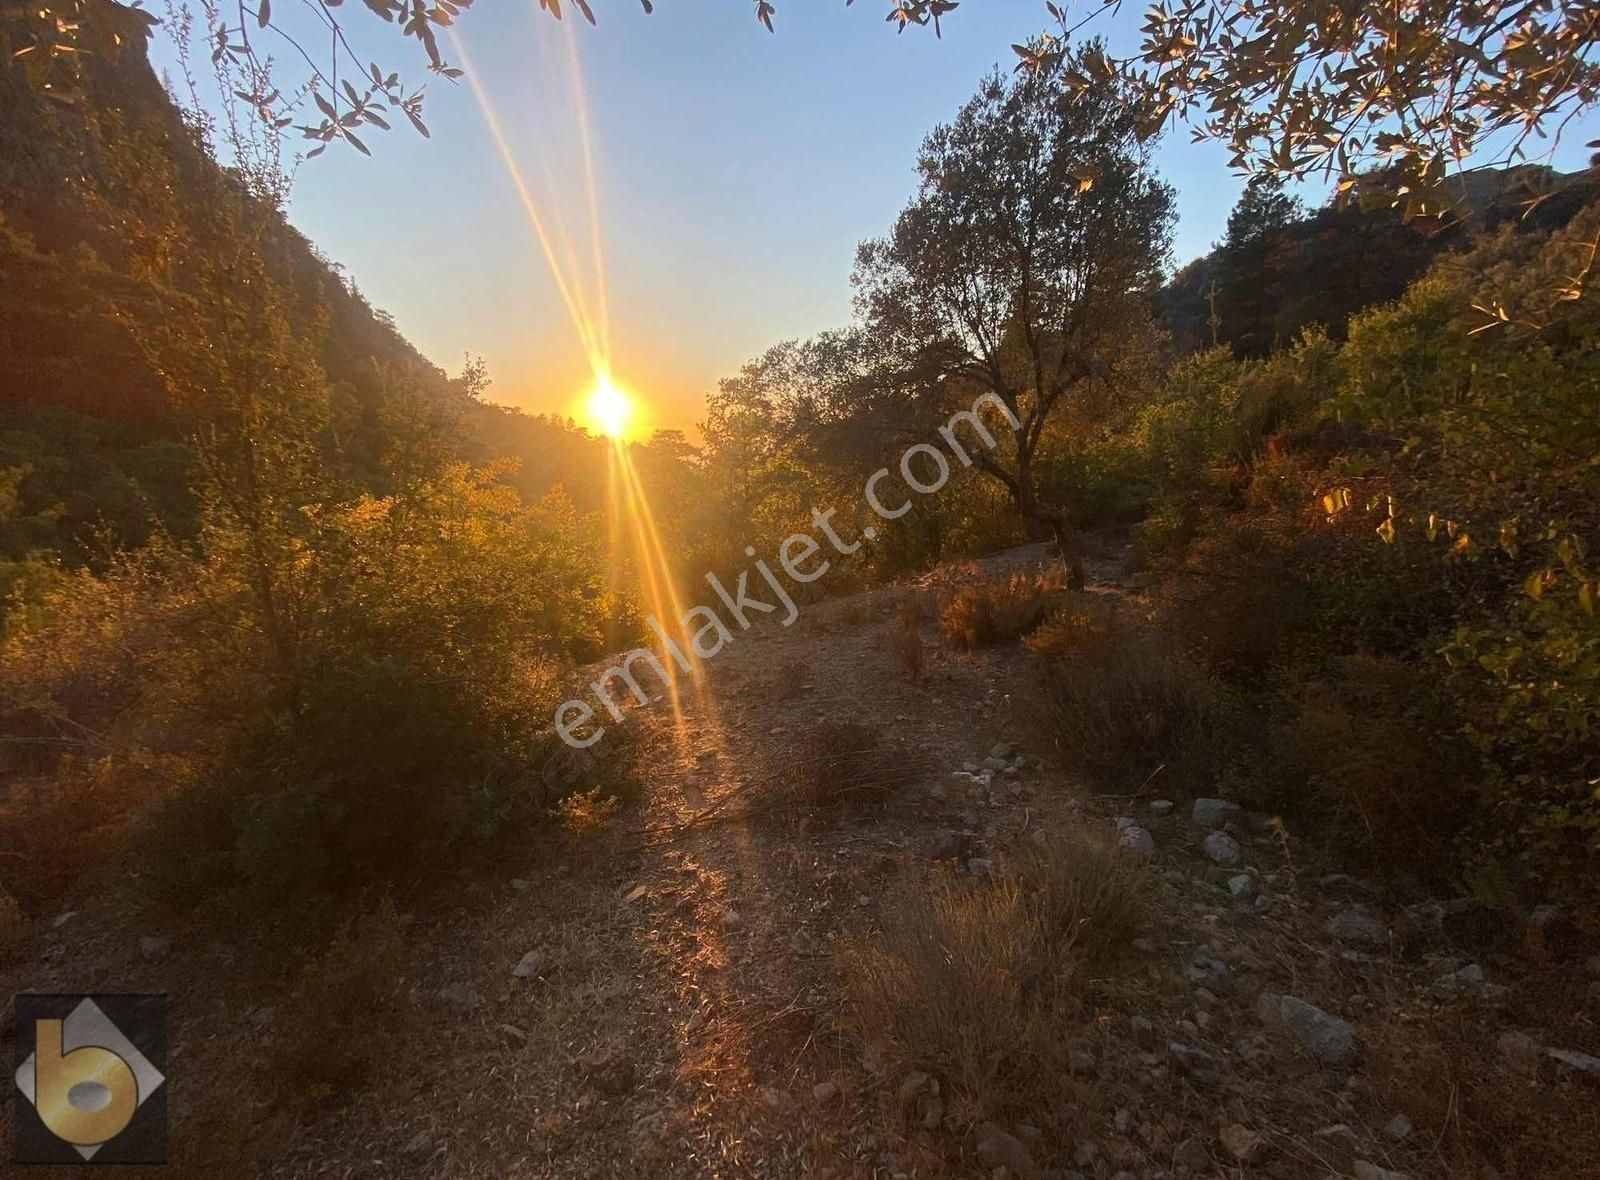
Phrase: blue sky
x=736 y=172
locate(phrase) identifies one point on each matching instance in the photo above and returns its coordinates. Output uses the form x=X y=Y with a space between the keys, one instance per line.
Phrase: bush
x=998 y=611
x=356 y=774
x=345 y=1014
x=400 y=709
x=969 y=979
x=1123 y=707
x=1368 y=756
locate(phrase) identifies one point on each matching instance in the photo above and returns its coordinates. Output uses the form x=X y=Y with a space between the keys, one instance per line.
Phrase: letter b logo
x=96 y=1094
x=86 y=1096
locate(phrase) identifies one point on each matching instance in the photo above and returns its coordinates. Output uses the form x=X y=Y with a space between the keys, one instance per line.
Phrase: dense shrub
x=401 y=710
x=1384 y=550
x=1123 y=707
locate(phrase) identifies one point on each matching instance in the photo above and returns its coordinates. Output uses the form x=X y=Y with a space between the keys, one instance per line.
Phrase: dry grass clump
x=1070 y=629
x=1120 y=707
x=341 y=1021
x=905 y=642
x=1478 y=1112
x=969 y=979
x=999 y=611
x=847 y=766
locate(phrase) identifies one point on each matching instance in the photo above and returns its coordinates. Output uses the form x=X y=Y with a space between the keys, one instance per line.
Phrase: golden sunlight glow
x=609 y=409
x=637 y=553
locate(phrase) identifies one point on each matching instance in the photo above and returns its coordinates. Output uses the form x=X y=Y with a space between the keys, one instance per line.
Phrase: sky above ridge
x=734 y=171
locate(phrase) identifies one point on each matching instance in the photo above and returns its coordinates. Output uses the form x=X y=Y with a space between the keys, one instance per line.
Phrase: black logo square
x=90 y=1072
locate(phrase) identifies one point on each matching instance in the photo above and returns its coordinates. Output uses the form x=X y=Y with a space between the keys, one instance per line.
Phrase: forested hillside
x=108 y=213
x=1283 y=268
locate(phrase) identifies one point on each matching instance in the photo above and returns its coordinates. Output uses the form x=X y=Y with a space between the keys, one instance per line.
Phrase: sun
x=609 y=408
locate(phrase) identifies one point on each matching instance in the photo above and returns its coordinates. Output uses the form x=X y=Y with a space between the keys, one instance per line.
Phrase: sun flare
x=609 y=409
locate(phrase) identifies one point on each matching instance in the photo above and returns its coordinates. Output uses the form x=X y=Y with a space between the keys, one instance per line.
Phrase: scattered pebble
x=1223 y=849
x=1242 y=1143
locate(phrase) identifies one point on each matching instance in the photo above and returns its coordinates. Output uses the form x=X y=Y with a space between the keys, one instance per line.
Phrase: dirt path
x=685 y=1011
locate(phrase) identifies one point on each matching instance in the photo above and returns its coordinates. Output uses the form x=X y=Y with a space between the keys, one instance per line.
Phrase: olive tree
x=1389 y=97
x=1024 y=265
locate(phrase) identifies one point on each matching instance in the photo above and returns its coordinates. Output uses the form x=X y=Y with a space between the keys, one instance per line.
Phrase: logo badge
x=90 y=1068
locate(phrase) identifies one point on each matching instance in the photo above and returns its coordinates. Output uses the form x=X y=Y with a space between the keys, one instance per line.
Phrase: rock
x=1223 y=849
x=1192 y=1154
x=1462 y=923
x=1397 y=1128
x=1207 y=971
x=995 y=764
x=952 y=845
x=1194 y=1061
x=1242 y=1143
x=1251 y=1048
x=1370 y=1171
x=1002 y=749
x=1161 y=807
x=1137 y=841
x=62 y=919
x=825 y=1091
x=1342 y=883
x=1550 y=933
x=635 y=894
x=1242 y=886
x=776 y=1099
x=1329 y=1039
x=999 y=1149
x=530 y=966
x=914 y=1084
x=1358 y=926
x=152 y=947
x=1469 y=981
x=1520 y=1051
x=1582 y=1063
x=1081 y=1061
x=1212 y=814
x=519 y=884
